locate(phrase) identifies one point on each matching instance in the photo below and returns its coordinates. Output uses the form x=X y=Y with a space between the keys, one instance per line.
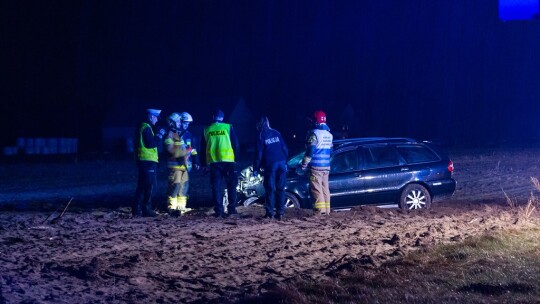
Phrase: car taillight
x=450 y=166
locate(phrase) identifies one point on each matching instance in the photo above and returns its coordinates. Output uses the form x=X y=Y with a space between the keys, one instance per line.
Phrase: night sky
x=449 y=71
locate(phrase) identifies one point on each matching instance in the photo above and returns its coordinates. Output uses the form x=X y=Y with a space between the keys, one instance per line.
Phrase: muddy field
x=96 y=252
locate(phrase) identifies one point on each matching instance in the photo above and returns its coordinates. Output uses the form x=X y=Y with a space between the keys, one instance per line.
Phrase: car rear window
x=417 y=154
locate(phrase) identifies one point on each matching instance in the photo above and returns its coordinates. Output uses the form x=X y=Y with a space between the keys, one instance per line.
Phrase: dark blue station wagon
x=366 y=171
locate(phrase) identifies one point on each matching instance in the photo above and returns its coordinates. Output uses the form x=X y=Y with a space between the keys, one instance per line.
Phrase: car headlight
x=246 y=173
x=247 y=180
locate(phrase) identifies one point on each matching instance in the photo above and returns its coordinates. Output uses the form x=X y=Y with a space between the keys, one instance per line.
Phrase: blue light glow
x=519 y=9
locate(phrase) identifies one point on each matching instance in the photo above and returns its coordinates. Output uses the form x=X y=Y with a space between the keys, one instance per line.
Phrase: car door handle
x=405 y=169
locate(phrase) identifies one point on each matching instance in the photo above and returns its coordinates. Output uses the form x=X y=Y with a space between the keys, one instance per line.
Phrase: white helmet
x=175 y=117
x=184 y=116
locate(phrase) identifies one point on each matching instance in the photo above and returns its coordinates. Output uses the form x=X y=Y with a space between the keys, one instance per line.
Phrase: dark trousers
x=218 y=172
x=146 y=183
x=275 y=178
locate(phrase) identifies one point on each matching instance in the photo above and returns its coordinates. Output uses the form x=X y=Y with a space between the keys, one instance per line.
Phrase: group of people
x=221 y=151
x=180 y=160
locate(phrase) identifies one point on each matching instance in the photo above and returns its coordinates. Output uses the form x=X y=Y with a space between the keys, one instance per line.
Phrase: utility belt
x=176 y=166
x=320 y=169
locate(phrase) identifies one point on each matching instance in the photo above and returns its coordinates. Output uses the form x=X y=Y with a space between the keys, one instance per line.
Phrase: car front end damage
x=250 y=188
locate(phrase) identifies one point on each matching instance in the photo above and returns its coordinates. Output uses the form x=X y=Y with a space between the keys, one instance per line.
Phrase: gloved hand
x=161 y=133
x=301 y=169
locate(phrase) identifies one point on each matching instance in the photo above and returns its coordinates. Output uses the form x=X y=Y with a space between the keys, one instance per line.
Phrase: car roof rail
x=348 y=141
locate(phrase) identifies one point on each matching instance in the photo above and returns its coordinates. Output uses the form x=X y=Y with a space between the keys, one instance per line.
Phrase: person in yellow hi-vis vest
x=317 y=156
x=181 y=158
x=221 y=146
x=146 y=143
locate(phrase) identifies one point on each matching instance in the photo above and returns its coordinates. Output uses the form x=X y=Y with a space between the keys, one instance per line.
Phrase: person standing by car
x=271 y=154
x=146 y=144
x=317 y=157
x=221 y=146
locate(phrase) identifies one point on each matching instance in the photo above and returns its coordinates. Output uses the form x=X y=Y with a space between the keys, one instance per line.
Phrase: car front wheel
x=250 y=201
x=415 y=196
x=291 y=201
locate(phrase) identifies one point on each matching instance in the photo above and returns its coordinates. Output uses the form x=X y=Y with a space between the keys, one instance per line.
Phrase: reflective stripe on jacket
x=175 y=147
x=143 y=153
x=322 y=150
x=218 y=143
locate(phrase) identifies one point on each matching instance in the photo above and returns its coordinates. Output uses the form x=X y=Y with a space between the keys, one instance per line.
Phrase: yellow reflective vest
x=218 y=143
x=143 y=153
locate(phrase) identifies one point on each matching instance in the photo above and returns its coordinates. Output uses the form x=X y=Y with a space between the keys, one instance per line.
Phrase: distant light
x=294 y=136
x=518 y=9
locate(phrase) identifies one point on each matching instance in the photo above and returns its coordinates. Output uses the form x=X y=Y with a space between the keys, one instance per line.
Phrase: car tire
x=252 y=200
x=291 y=201
x=415 y=196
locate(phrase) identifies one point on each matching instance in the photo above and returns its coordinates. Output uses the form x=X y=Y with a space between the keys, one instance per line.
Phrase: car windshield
x=295 y=160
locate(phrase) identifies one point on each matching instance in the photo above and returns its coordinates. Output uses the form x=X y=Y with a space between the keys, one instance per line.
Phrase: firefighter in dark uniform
x=317 y=156
x=271 y=154
x=146 y=143
x=221 y=146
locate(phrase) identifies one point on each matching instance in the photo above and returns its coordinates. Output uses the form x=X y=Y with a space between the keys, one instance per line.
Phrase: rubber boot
x=319 y=211
x=319 y=208
x=148 y=211
x=136 y=209
x=182 y=203
x=173 y=203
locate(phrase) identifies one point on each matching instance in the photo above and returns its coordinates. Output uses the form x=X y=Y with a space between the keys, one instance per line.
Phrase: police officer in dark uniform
x=271 y=155
x=146 y=143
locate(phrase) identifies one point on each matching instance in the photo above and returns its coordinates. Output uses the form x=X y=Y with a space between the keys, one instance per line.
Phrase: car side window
x=382 y=156
x=345 y=161
x=417 y=154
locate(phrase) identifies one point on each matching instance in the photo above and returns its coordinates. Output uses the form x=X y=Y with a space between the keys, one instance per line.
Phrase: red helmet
x=319 y=117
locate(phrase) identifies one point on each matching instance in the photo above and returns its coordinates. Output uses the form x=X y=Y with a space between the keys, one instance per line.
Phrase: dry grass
x=500 y=268
x=526 y=211
x=512 y=202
